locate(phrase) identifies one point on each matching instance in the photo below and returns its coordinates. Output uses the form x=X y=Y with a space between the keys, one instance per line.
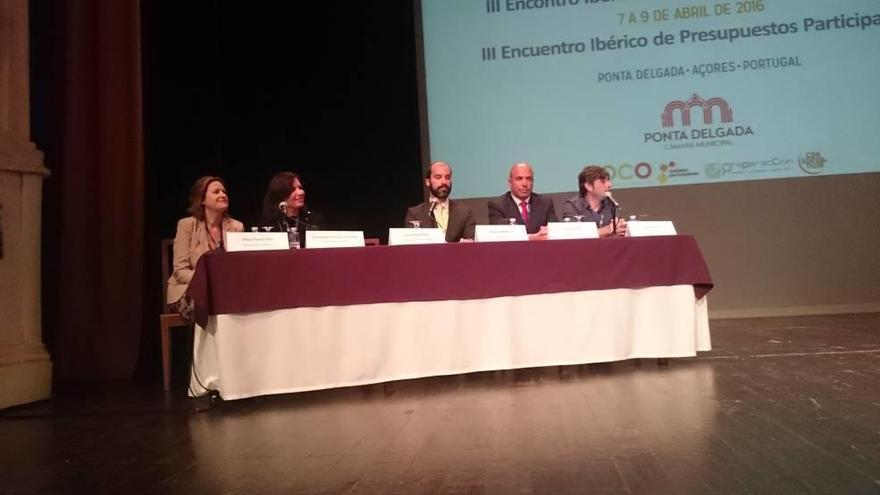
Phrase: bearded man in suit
x=455 y=219
x=521 y=205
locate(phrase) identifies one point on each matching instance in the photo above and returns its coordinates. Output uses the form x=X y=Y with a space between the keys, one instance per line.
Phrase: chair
x=167 y=320
x=371 y=241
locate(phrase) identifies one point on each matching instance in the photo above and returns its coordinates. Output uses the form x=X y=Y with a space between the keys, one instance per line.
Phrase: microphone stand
x=613 y=218
x=614 y=207
x=282 y=218
x=431 y=212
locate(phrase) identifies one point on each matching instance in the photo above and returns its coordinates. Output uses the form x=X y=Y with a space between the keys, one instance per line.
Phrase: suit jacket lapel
x=431 y=222
x=513 y=208
x=532 y=212
x=453 y=224
x=518 y=211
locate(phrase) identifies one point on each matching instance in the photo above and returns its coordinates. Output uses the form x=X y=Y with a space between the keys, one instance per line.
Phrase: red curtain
x=96 y=191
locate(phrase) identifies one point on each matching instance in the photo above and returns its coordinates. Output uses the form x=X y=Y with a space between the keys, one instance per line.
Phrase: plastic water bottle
x=293 y=238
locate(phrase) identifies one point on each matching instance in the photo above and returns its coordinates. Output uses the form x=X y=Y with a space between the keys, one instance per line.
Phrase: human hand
x=621 y=227
x=540 y=235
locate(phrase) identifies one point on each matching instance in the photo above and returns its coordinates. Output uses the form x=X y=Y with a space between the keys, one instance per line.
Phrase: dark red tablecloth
x=247 y=282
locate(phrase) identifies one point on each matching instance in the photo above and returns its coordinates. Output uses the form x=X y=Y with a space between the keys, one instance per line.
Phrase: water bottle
x=293 y=238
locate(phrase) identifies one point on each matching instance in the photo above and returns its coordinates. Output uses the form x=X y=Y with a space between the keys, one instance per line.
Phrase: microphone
x=282 y=223
x=433 y=206
x=610 y=197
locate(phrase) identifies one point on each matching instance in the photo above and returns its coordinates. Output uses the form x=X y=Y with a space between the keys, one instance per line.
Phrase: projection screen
x=660 y=93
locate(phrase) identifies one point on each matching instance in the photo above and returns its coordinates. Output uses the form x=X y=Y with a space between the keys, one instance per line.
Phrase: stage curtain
x=93 y=206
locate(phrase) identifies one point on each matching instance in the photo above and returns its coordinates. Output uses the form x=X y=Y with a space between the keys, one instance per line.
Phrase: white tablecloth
x=302 y=349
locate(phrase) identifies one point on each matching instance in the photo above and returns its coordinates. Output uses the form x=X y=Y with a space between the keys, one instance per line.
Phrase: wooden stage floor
x=782 y=405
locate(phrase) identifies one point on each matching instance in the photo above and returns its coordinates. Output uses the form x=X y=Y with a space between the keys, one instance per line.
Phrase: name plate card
x=334 y=238
x=572 y=230
x=644 y=228
x=401 y=237
x=256 y=241
x=497 y=233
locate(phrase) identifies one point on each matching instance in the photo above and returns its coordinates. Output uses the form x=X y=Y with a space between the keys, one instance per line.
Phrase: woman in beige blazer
x=200 y=232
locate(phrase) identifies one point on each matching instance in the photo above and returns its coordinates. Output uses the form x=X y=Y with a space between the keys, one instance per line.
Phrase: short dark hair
x=590 y=174
x=197 y=195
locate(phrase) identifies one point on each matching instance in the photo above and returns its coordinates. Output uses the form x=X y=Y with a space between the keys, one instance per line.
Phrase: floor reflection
x=554 y=419
x=781 y=405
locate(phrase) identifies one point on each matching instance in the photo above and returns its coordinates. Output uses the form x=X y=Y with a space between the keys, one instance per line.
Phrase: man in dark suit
x=520 y=203
x=455 y=219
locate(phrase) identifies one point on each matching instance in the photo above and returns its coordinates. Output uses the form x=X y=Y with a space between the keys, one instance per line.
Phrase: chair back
x=167 y=256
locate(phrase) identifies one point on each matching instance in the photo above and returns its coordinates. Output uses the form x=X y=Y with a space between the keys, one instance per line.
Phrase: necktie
x=442 y=216
x=525 y=212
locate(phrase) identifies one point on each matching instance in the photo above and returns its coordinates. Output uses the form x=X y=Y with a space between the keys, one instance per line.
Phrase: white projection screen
x=661 y=93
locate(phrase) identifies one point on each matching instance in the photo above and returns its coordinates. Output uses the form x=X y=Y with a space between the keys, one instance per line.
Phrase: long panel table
x=289 y=321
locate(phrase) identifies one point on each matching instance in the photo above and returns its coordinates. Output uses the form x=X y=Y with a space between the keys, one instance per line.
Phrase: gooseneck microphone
x=613 y=210
x=282 y=224
x=434 y=202
x=611 y=198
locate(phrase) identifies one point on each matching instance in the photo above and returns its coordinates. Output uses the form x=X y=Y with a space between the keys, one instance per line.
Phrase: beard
x=442 y=192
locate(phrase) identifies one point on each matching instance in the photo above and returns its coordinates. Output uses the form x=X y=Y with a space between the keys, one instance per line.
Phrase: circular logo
x=626 y=171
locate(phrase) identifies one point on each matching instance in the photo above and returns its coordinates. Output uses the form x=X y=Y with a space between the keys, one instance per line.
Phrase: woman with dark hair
x=284 y=205
x=199 y=233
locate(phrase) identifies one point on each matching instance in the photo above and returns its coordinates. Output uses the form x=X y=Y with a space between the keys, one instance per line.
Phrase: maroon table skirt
x=248 y=282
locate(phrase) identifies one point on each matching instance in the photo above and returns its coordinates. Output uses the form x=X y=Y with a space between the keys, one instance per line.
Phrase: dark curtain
x=86 y=88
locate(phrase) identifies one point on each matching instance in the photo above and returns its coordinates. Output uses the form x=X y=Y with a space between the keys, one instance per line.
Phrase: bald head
x=521 y=180
x=439 y=164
